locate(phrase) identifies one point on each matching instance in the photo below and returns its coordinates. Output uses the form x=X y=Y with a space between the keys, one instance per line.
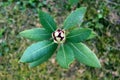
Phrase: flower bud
x=59 y=36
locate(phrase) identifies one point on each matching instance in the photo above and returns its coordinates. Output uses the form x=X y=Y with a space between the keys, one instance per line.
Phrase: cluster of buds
x=59 y=36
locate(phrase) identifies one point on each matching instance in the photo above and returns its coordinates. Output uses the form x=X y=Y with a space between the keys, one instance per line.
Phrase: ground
x=103 y=16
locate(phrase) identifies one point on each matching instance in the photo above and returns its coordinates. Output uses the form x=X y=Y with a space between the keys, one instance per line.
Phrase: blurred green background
x=103 y=16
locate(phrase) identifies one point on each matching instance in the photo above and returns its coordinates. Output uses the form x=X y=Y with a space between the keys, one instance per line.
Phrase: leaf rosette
x=66 y=40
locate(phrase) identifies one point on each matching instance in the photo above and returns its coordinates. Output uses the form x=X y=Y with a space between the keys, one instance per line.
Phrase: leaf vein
x=49 y=24
x=78 y=50
x=43 y=47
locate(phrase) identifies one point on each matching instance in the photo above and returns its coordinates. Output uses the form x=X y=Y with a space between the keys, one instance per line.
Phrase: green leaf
x=65 y=56
x=75 y=18
x=92 y=35
x=73 y=2
x=37 y=34
x=47 y=21
x=99 y=26
x=41 y=60
x=38 y=50
x=84 y=55
x=79 y=35
x=0 y=54
x=1 y=32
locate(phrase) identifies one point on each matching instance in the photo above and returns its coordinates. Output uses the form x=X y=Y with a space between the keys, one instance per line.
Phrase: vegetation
x=18 y=15
x=64 y=40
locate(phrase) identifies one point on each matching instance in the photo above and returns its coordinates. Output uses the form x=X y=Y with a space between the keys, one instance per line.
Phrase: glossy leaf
x=41 y=60
x=65 y=56
x=84 y=55
x=79 y=35
x=38 y=50
x=75 y=18
x=47 y=21
x=36 y=34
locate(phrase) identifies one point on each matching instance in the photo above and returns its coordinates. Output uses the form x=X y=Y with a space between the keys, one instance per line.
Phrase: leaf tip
x=22 y=60
x=31 y=65
x=99 y=65
x=40 y=12
x=84 y=8
x=65 y=67
x=21 y=33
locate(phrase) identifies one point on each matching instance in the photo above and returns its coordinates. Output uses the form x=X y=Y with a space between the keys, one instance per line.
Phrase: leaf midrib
x=74 y=35
x=78 y=50
x=42 y=48
x=49 y=24
x=38 y=34
x=64 y=54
